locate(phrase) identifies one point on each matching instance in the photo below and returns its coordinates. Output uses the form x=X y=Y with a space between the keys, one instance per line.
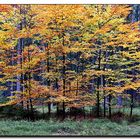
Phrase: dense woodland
x=70 y=59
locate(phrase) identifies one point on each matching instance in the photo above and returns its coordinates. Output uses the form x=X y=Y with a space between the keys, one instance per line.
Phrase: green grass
x=96 y=127
x=136 y=111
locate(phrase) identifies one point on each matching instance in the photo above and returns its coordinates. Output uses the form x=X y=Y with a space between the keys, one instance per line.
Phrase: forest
x=70 y=63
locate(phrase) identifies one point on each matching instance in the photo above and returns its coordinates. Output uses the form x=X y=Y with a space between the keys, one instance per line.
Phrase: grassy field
x=119 y=126
x=96 y=127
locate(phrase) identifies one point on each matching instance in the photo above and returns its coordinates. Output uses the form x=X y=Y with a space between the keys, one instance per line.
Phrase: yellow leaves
x=135 y=55
x=66 y=29
x=133 y=85
x=60 y=99
x=51 y=75
x=124 y=27
x=24 y=33
x=120 y=10
x=120 y=89
x=31 y=64
x=97 y=72
x=7 y=39
x=130 y=31
x=87 y=36
x=8 y=27
x=10 y=69
x=82 y=101
x=3 y=88
x=116 y=89
x=126 y=54
x=60 y=15
x=68 y=24
x=2 y=65
x=5 y=8
x=115 y=22
x=64 y=49
x=108 y=23
x=104 y=30
x=112 y=43
x=91 y=21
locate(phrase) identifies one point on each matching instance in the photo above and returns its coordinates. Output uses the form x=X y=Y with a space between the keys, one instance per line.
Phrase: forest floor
x=95 y=127
x=119 y=125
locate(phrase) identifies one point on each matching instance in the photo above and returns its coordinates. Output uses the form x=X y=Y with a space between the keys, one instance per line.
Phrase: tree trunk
x=12 y=83
x=18 y=62
x=57 y=105
x=48 y=81
x=110 y=106
x=98 y=85
x=22 y=75
x=29 y=88
x=57 y=87
x=64 y=76
x=28 y=110
x=84 y=112
x=104 y=106
x=131 y=105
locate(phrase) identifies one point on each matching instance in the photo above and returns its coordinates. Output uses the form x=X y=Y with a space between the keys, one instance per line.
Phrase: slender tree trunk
x=104 y=96
x=84 y=112
x=70 y=94
x=106 y=66
x=30 y=100
x=43 y=109
x=22 y=76
x=18 y=62
x=132 y=98
x=77 y=70
x=98 y=85
x=28 y=110
x=48 y=81
x=104 y=106
x=64 y=76
x=57 y=108
x=64 y=83
x=104 y=81
x=12 y=83
x=56 y=82
x=131 y=105
x=98 y=104
x=29 y=88
x=77 y=82
x=20 y=57
x=49 y=108
x=19 y=53
x=110 y=106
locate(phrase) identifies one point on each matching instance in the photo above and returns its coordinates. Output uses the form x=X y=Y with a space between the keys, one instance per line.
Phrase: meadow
x=119 y=125
x=96 y=127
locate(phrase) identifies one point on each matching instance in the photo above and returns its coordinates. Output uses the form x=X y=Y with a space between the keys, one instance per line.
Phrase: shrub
x=17 y=112
x=117 y=116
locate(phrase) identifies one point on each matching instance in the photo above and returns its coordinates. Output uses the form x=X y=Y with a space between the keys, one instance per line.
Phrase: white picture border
x=69 y=1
